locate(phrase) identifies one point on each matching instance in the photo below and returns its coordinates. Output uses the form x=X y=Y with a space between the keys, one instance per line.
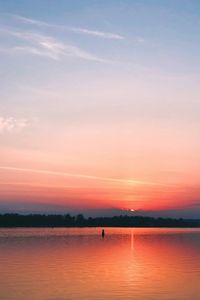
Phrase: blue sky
x=102 y=89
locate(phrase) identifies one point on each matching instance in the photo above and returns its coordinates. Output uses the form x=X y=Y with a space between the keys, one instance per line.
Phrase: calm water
x=68 y=264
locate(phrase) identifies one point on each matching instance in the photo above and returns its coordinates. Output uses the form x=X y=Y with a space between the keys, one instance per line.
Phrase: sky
x=99 y=107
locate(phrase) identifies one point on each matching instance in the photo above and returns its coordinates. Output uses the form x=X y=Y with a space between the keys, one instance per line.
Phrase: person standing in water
x=103 y=233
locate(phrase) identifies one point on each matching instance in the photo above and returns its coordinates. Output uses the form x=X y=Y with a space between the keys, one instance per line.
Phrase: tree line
x=55 y=220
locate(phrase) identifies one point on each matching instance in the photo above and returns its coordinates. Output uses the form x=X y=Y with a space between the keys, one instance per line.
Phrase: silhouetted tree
x=38 y=220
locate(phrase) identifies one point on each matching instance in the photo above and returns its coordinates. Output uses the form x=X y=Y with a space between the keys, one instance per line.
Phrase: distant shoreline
x=78 y=227
x=79 y=221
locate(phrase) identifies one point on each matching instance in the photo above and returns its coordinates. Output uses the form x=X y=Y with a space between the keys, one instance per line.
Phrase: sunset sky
x=100 y=106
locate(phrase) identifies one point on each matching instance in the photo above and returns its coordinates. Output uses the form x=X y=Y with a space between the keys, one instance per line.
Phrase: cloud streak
x=85 y=31
x=82 y=176
x=12 y=124
x=47 y=46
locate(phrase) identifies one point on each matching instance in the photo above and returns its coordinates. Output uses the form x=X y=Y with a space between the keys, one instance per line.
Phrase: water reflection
x=132 y=240
x=78 y=264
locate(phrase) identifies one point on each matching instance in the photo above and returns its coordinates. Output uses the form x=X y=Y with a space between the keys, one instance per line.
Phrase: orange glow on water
x=139 y=262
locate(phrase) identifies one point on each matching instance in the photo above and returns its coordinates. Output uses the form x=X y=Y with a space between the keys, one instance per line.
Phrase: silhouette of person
x=103 y=233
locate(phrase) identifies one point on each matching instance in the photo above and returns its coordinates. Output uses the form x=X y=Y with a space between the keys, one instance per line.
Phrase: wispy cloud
x=82 y=176
x=43 y=45
x=86 y=31
x=101 y=34
x=12 y=124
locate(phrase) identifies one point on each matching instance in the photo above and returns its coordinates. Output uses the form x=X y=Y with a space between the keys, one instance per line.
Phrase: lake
x=77 y=263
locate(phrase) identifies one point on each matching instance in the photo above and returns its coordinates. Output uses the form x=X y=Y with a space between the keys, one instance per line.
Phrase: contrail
x=36 y=185
x=86 y=31
x=82 y=176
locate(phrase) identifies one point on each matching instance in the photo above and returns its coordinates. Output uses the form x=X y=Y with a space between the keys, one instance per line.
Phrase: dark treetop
x=39 y=220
